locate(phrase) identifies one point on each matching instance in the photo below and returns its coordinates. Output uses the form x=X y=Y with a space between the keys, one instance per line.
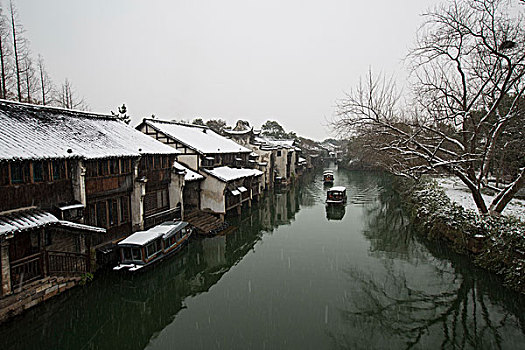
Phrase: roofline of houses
x=146 y=120
x=73 y=112
x=68 y=154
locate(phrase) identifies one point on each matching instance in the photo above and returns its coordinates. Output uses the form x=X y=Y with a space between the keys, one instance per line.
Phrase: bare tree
x=469 y=67
x=20 y=48
x=29 y=80
x=67 y=97
x=45 y=83
x=5 y=54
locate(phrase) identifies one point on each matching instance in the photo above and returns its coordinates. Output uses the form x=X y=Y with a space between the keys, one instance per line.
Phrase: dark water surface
x=294 y=275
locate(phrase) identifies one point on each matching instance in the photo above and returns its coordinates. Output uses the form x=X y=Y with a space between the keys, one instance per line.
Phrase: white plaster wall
x=212 y=195
x=280 y=162
x=191 y=160
x=79 y=182
x=264 y=156
x=137 y=199
x=175 y=188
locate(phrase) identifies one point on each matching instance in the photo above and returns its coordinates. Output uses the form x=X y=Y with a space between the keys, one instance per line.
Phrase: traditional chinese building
x=204 y=152
x=70 y=181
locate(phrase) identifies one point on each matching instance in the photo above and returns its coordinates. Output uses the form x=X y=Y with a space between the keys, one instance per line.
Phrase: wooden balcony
x=45 y=263
x=111 y=183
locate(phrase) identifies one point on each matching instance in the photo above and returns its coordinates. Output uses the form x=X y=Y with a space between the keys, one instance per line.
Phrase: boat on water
x=328 y=176
x=144 y=248
x=336 y=195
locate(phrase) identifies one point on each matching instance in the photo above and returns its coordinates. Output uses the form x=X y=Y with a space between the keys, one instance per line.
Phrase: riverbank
x=494 y=243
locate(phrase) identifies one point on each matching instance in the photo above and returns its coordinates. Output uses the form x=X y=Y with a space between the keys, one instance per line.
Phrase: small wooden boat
x=336 y=195
x=328 y=176
x=144 y=248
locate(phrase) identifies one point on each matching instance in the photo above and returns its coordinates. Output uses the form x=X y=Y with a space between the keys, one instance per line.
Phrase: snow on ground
x=458 y=192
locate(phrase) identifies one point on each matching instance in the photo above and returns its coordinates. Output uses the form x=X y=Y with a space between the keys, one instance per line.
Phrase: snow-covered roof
x=227 y=174
x=71 y=206
x=70 y=224
x=283 y=143
x=236 y=132
x=338 y=188
x=198 y=138
x=189 y=175
x=39 y=132
x=192 y=176
x=34 y=218
x=163 y=230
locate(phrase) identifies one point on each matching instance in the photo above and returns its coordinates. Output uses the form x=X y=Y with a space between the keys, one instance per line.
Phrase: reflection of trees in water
x=448 y=308
x=388 y=228
x=447 y=303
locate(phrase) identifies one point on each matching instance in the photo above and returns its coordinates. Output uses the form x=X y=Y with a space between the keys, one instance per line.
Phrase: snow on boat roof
x=34 y=218
x=338 y=189
x=199 y=138
x=142 y=237
x=40 y=132
x=226 y=173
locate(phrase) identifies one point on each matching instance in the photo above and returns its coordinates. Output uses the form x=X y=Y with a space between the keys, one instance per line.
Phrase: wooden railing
x=26 y=270
x=160 y=217
x=232 y=201
x=42 y=264
x=66 y=263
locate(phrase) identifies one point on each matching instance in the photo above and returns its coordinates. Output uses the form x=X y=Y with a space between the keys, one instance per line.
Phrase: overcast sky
x=284 y=60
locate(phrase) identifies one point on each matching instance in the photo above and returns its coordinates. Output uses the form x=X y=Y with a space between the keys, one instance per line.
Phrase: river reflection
x=426 y=296
x=335 y=212
x=291 y=275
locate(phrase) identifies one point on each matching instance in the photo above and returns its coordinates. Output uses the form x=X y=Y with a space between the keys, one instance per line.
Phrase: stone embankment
x=494 y=243
x=35 y=293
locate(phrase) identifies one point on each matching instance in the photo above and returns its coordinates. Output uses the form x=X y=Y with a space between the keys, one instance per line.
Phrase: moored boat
x=336 y=195
x=328 y=176
x=144 y=248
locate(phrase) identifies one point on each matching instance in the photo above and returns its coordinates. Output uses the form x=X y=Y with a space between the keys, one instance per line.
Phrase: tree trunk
x=2 y=68
x=504 y=197
x=17 y=63
x=43 y=86
x=475 y=192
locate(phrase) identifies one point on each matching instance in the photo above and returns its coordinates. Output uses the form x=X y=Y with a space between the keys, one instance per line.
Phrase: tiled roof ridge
x=70 y=112
x=175 y=123
x=168 y=134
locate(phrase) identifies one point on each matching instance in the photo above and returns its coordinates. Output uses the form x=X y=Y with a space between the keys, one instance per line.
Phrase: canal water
x=294 y=274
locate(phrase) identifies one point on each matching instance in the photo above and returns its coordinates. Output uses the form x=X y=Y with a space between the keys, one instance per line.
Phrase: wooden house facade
x=71 y=181
x=202 y=151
